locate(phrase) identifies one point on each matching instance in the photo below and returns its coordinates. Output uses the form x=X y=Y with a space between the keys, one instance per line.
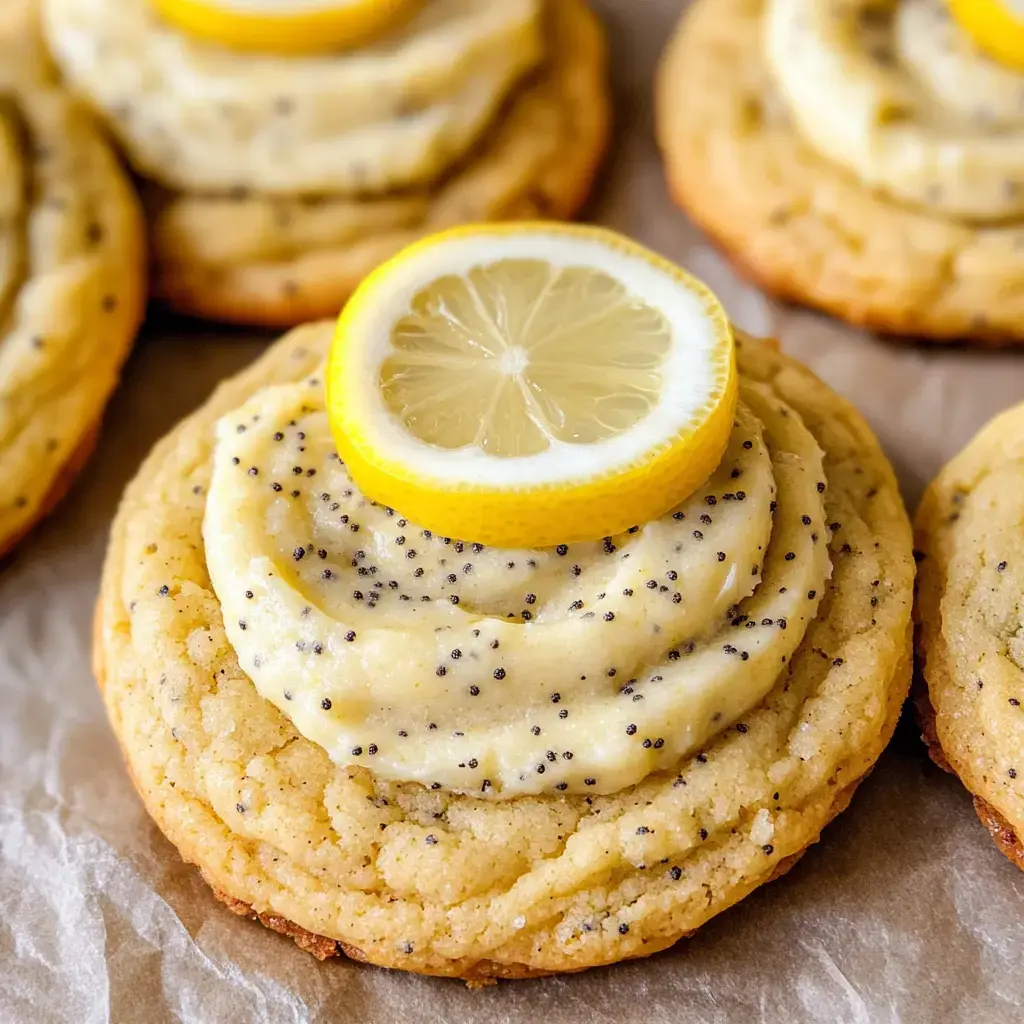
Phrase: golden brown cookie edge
x=130 y=314
x=483 y=973
x=475 y=973
x=63 y=483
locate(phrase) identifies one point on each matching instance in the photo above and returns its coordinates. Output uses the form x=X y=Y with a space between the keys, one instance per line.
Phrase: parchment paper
x=904 y=912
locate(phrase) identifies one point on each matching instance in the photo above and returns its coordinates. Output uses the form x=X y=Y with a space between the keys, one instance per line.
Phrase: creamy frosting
x=896 y=91
x=580 y=668
x=396 y=113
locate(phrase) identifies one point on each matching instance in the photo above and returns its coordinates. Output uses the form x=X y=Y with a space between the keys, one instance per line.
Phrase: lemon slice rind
x=568 y=492
x=286 y=26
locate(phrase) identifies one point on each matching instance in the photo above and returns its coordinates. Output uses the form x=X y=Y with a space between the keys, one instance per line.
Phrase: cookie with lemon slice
x=997 y=26
x=519 y=622
x=72 y=280
x=864 y=158
x=280 y=177
x=287 y=26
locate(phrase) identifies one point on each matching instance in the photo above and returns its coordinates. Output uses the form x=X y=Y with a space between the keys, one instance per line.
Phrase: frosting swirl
x=896 y=92
x=580 y=668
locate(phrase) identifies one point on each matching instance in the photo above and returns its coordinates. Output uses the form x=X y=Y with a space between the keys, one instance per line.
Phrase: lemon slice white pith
x=286 y=26
x=529 y=385
x=997 y=26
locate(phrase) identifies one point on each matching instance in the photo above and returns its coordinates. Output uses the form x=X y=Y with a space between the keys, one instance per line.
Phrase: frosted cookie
x=969 y=628
x=270 y=204
x=71 y=283
x=890 y=194
x=394 y=113
x=585 y=852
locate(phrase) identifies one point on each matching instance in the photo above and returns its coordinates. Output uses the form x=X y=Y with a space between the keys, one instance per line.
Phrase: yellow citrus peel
x=527 y=385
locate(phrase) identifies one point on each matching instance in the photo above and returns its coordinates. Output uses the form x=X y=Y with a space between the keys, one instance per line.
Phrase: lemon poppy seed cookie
x=282 y=261
x=276 y=752
x=969 y=629
x=887 y=192
x=71 y=283
x=270 y=204
x=198 y=117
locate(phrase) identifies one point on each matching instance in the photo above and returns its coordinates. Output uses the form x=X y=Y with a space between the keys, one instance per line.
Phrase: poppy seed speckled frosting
x=269 y=204
x=71 y=281
x=308 y=701
x=861 y=157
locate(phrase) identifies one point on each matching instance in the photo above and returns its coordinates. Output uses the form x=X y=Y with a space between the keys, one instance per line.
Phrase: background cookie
x=800 y=226
x=339 y=859
x=71 y=283
x=282 y=261
x=970 y=637
x=274 y=257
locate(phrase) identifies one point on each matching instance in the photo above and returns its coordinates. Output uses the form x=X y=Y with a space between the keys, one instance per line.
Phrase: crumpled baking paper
x=905 y=911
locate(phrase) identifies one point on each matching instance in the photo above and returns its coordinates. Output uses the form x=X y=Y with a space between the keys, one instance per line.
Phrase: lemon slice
x=997 y=26
x=529 y=385
x=286 y=26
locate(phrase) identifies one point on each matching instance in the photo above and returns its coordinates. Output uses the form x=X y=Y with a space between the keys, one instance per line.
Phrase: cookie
x=437 y=882
x=252 y=258
x=917 y=112
x=969 y=634
x=393 y=114
x=801 y=226
x=280 y=262
x=71 y=284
